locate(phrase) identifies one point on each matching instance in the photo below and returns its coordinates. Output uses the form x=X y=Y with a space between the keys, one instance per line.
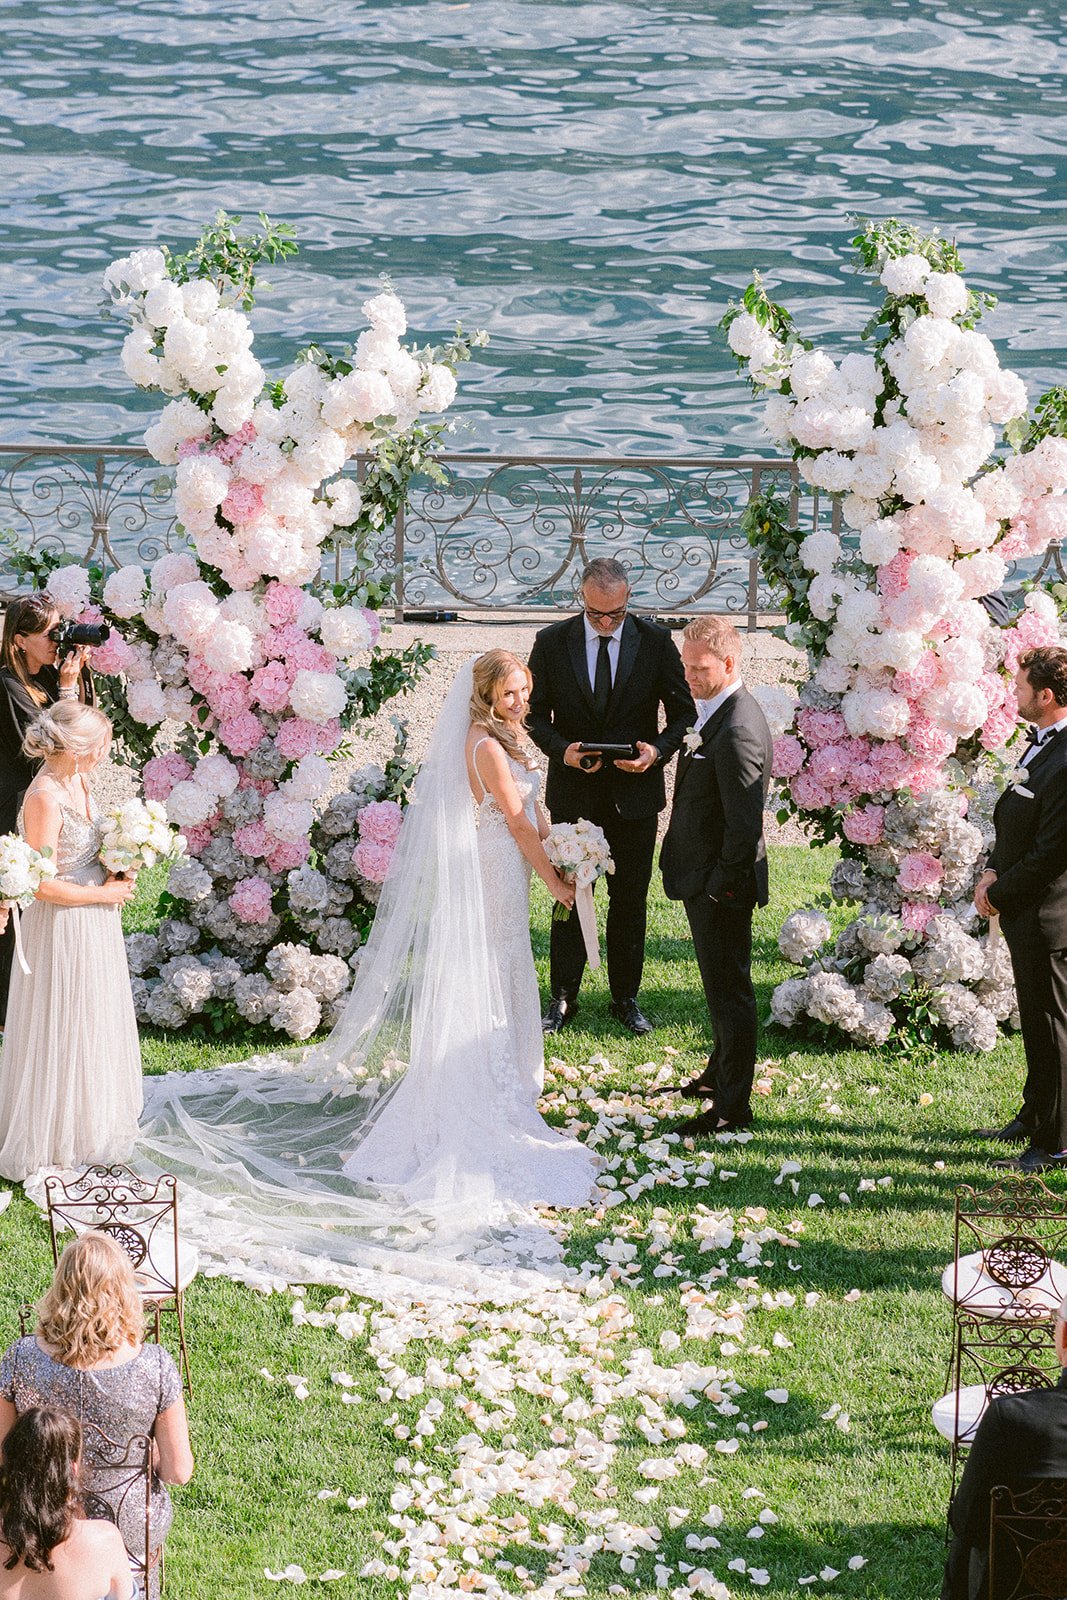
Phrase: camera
x=69 y=636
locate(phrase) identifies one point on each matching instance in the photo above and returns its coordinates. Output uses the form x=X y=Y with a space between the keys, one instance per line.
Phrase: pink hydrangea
x=917 y=915
x=920 y=680
x=229 y=696
x=372 y=860
x=230 y=448
x=252 y=839
x=243 y=502
x=197 y=839
x=271 y=684
x=891 y=763
x=330 y=736
x=893 y=577
x=864 y=826
x=241 y=734
x=919 y=873
x=281 y=603
x=114 y=655
x=373 y=622
x=200 y=676
x=297 y=737
x=286 y=854
x=926 y=739
x=161 y=773
x=189 y=447
x=998 y=728
x=821 y=727
x=809 y=795
x=380 y=821
x=829 y=765
x=307 y=656
x=788 y=756
x=250 y=900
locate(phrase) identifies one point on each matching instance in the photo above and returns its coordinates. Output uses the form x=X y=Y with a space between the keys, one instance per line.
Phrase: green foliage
x=230 y=258
x=877 y=242
x=1049 y=419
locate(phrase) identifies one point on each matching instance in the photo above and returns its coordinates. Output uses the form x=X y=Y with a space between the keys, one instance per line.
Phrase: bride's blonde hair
x=489 y=672
x=66 y=728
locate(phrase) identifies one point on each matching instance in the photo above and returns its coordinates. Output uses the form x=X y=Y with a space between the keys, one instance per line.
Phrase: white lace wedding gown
x=406 y=1154
x=70 y=1070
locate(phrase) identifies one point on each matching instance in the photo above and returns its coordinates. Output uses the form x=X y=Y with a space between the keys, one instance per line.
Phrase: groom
x=605 y=675
x=713 y=859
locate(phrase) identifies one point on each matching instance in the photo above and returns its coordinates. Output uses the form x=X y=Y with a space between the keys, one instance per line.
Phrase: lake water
x=589 y=182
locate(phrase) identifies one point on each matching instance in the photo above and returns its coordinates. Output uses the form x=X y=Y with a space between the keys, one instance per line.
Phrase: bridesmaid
x=31 y=679
x=70 y=1070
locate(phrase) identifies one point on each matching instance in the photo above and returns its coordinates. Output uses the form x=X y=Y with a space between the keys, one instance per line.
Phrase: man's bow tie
x=1038 y=736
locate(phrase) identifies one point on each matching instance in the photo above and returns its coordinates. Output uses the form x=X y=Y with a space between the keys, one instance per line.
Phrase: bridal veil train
x=408 y=1144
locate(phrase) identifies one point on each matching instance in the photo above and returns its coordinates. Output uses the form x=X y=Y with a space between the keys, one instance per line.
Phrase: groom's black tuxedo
x=714 y=860
x=1030 y=860
x=563 y=711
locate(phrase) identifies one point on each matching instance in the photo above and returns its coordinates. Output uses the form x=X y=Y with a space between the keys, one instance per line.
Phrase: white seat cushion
x=972 y=1404
x=163 y=1266
x=969 y=1286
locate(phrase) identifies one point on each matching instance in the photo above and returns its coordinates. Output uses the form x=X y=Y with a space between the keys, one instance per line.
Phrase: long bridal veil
x=377 y=1160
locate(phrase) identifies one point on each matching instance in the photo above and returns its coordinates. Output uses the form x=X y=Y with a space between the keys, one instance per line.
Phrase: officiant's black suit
x=1030 y=860
x=625 y=804
x=714 y=860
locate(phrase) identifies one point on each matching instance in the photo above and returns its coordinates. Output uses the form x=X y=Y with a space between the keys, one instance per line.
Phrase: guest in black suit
x=1026 y=884
x=714 y=860
x=1021 y=1439
x=605 y=675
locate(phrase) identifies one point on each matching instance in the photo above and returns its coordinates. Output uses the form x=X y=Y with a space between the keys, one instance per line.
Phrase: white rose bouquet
x=137 y=834
x=579 y=852
x=22 y=870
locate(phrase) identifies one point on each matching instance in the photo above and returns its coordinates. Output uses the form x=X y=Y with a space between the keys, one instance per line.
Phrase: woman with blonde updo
x=88 y=1358
x=70 y=1070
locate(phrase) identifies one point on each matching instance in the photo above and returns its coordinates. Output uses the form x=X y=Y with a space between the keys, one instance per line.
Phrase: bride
x=413 y=1130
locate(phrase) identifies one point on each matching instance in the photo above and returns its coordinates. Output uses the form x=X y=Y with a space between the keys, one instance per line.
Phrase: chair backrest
x=1028 y=1541
x=141 y=1216
x=117 y=1487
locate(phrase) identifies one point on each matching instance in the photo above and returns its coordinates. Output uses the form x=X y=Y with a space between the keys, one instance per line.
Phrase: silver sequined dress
x=120 y=1401
x=70 y=1070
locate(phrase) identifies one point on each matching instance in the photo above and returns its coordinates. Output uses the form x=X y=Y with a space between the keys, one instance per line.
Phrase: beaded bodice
x=78 y=851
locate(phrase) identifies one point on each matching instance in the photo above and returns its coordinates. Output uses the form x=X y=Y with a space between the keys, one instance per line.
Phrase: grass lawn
x=275 y=1473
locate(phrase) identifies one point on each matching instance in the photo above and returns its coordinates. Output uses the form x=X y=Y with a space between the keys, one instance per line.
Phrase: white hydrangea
x=69 y=588
x=217 y=775
x=905 y=276
x=145 y=702
x=124 y=592
x=344 y=631
x=778 y=706
x=287 y=818
x=189 y=805
x=946 y=294
x=802 y=935
x=318 y=696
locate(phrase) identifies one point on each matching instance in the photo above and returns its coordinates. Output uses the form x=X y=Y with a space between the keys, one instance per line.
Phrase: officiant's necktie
x=602 y=679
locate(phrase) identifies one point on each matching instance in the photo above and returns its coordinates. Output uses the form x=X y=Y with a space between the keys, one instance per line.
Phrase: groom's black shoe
x=711 y=1122
x=630 y=1015
x=1016 y=1132
x=559 y=1013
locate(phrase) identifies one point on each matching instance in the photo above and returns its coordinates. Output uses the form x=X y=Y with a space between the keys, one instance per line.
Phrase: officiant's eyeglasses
x=605 y=616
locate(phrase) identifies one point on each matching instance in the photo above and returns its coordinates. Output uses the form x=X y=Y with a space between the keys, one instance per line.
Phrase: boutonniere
x=693 y=740
x=1017 y=782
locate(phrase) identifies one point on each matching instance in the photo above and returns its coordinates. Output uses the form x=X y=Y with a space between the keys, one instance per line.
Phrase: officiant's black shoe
x=631 y=1016
x=1015 y=1132
x=1031 y=1161
x=711 y=1122
x=698 y=1088
x=559 y=1013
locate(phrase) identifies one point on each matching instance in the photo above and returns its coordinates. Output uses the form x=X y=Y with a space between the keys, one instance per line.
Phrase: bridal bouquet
x=22 y=870
x=137 y=834
x=579 y=852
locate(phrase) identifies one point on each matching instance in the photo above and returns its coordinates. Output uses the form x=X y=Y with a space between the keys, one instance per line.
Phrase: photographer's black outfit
x=17 y=710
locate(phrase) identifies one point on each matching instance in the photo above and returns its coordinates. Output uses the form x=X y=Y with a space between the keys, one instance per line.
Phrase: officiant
x=608 y=676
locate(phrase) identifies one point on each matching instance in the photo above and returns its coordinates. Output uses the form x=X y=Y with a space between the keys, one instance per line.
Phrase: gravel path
x=766 y=660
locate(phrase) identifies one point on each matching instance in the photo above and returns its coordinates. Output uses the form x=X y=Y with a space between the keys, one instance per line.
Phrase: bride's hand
x=117 y=891
x=563 y=891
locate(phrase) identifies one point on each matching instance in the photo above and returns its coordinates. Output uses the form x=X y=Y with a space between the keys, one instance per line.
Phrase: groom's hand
x=572 y=757
x=646 y=755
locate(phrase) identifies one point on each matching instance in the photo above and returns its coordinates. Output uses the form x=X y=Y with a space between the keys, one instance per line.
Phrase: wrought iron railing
x=499 y=533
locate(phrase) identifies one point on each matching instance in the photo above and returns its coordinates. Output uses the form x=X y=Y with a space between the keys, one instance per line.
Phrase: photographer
x=31 y=678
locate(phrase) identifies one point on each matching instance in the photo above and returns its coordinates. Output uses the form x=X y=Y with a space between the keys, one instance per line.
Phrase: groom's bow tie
x=1038 y=736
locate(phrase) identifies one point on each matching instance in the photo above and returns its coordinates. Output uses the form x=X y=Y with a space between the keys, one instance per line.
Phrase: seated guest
x=48 y=1551
x=1021 y=1438
x=88 y=1358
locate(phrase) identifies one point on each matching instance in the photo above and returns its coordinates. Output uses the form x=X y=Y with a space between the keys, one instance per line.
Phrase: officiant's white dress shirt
x=592 y=648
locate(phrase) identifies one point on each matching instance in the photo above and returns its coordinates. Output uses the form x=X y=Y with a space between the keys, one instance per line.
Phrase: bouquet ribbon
x=583 y=904
x=19 y=952
x=994 y=930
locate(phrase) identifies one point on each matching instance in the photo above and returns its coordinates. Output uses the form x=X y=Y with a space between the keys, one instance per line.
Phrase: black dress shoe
x=559 y=1013
x=631 y=1016
x=1014 y=1132
x=1033 y=1160
x=695 y=1089
x=711 y=1122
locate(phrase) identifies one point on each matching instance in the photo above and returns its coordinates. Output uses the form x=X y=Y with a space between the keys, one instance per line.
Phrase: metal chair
x=117 y=1487
x=142 y=1217
x=1028 y=1542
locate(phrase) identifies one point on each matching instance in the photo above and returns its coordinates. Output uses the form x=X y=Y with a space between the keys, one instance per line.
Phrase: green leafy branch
x=230 y=258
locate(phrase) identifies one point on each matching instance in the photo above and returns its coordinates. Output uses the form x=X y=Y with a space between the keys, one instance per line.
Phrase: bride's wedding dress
x=408 y=1144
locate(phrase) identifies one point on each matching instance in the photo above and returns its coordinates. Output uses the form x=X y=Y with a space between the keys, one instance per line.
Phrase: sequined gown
x=121 y=1402
x=70 y=1069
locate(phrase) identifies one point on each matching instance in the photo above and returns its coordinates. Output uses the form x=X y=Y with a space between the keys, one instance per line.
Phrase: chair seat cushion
x=163 y=1266
x=968 y=1284
x=973 y=1400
